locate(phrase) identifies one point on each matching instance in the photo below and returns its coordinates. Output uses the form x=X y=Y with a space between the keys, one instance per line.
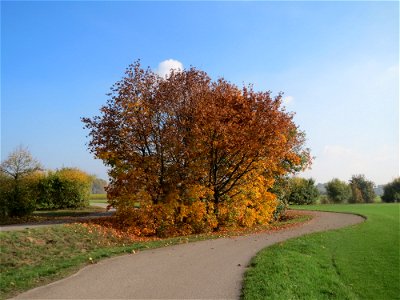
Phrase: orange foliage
x=168 y=219
x=187 y=154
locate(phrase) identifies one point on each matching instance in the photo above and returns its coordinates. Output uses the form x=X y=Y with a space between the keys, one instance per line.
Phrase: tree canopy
x=187 y=138
x=19 y=163
x=391 y=191
x=362 y=189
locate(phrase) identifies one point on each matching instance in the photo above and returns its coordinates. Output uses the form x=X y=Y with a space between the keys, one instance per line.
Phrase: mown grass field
x=98 y=198
x=34 y=257
x=358 y=262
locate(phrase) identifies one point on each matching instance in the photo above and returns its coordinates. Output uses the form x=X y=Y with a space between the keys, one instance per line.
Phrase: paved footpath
x=210 y=269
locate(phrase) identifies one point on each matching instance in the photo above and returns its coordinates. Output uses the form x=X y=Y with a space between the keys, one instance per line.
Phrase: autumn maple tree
x=189 y=153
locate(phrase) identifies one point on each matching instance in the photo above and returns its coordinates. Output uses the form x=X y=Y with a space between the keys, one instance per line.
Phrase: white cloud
x=287 y=100
x=164 y=67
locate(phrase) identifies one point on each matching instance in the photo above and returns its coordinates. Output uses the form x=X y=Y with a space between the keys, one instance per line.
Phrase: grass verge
x=34 y=257
x=357 y=262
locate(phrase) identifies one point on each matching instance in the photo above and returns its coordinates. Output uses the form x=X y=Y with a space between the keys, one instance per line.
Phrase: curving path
x=210 y=269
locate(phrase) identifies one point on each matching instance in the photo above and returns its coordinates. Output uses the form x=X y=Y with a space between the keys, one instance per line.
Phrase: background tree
x=19 y=163
x=98 y=185
x=338 y=191
x=186 y=138
x=391 y=191
x=17 y=181
x=302 y=191
x=362 y=190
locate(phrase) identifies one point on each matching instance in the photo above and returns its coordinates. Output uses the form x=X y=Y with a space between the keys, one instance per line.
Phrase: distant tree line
x=360 y=190
x=302 y=191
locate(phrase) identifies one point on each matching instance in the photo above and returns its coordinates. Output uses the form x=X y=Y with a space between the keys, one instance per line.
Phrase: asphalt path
x=211 y=269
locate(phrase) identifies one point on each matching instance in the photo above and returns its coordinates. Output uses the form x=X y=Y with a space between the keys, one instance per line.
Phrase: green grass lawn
x=357 y=262
x=100 y=198
x=34 y=257
x=95 y=199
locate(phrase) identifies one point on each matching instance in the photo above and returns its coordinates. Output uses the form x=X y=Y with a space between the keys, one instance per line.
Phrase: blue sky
x=336 y=62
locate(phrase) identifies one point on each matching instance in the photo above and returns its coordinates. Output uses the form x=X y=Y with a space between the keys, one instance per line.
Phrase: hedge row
x=64 y=188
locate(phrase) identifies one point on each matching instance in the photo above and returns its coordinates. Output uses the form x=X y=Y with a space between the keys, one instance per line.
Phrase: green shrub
x=281 y=190
x=302 y=191
x=391 y=191
x=338 y=191
x=323 y=199
x=18 y=177
x=18 y=197
x=64 y=188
